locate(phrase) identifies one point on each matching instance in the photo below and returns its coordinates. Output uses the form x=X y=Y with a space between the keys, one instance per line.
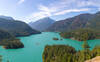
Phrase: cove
x=34 y=46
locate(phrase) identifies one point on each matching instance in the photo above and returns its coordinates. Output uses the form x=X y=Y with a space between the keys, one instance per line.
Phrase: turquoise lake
x=34 y=46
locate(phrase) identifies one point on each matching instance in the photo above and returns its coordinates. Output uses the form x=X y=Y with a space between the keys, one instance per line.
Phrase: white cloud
x=71 y=10
x=43 y=12
x=70 y=4
x=92 y=3
x=20 y=1
x=43 y=8
x=47 y=9
x=40 y=15
x=61 y=7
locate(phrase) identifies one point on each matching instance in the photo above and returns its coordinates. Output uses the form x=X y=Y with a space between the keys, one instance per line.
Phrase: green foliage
x=64 y=53
x=55 y=53
x=96 y=51
x=94 y=23
x=16 y=28
x=5 y=35
x=81 y=34
x=8 y=41
x=85 y=45
x=12 y=44
x=0 y=58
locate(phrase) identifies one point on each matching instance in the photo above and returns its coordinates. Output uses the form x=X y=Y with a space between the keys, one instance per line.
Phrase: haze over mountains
x=42 y=24
x=81 y=21
x=19 y=28
x=15 y=27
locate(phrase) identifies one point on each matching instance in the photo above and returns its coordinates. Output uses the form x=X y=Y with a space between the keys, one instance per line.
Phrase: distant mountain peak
x=45 y=18
x=77 y=22
x=42 y=24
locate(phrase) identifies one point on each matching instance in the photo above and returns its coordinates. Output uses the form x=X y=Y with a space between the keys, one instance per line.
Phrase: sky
x=32 y=10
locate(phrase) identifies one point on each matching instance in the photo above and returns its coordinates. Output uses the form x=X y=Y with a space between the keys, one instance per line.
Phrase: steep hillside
x=80 y=21
x=16 y=28
x=42 y=24
x=60 y=25
x=8 y=41
x=4 y=35
x=95 y=22
x=77 y=22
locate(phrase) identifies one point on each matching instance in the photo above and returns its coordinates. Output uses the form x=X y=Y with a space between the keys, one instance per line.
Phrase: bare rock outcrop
x=96 y=59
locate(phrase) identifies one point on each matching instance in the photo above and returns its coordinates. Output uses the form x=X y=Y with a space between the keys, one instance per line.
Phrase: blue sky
x=32 y=10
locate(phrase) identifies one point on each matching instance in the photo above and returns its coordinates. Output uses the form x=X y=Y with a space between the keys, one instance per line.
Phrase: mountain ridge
x=73 y=23
x=42 y=24
x=17 y=28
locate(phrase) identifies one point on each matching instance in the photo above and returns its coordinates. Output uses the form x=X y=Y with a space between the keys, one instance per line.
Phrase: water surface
x=34 y=46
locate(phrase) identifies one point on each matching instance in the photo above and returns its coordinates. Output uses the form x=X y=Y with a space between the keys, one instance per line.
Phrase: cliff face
x=96 y=59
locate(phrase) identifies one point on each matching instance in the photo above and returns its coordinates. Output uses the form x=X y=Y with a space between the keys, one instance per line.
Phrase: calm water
x=34 y=46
